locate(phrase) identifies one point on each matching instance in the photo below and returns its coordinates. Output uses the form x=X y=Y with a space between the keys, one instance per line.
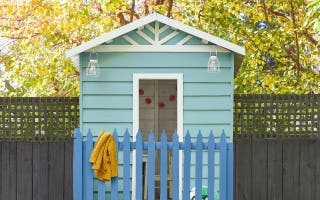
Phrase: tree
x=281 y=41
x=282 y=46
x=42 y=30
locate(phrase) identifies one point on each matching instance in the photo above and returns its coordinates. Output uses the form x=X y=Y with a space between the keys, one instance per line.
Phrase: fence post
x=211 y=161
x=101 y=190
x=88 y=173
x=223 y=167
x=186 y=163
x=126 y=166
x=175 y=166
x=199 y=167
x=151 y=161
x=230 y=172
x=139 y=152
x=164 y=167
x=77 y=165
x=114 y=180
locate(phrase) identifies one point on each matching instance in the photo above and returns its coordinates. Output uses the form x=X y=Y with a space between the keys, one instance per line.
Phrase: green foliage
x=281 y=39
x=41 y=31
x=282 y=47
x=313 y=15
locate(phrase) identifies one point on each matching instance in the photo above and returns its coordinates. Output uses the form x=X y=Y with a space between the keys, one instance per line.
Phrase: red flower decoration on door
x=161 y=105
x=141 y=92
x=148 y=100
x=172 y=98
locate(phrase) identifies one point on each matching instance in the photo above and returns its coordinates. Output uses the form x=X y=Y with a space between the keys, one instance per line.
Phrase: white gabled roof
x=149 y=19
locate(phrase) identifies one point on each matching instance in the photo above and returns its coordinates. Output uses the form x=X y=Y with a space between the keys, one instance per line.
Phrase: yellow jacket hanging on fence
x=104 y=157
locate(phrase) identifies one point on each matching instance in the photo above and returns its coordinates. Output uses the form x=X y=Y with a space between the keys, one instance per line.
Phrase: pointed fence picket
x=83 y=175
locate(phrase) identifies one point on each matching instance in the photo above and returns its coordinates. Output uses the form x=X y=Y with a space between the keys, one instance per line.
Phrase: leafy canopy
x=281 y=39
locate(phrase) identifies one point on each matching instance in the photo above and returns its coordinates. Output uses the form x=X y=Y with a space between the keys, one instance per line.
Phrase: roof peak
x=147 y=20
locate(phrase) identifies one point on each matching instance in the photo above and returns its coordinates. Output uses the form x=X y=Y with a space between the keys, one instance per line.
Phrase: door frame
x=156 y=76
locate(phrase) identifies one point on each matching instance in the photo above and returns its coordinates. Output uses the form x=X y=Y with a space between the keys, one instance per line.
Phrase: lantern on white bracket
x=93 y=66
x=213 y=63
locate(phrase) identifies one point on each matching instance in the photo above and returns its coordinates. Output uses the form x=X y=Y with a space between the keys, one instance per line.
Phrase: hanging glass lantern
x=93 y=67
x=213 y=63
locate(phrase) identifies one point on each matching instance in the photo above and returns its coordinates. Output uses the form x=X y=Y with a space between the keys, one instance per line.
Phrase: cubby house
x=157 y=74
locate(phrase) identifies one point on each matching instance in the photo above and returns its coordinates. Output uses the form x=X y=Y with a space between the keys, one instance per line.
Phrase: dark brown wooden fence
x=276 y=169
x=264 y=115
x=273 y=159
x=36 y=170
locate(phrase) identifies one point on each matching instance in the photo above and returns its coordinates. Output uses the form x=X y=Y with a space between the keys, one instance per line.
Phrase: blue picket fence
x=83 y=176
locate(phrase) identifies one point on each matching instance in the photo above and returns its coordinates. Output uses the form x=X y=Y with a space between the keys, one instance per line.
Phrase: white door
x=157 y=112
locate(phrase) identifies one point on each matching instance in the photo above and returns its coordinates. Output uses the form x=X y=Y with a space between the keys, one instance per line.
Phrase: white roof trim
x=159 y=48
x=148 y=19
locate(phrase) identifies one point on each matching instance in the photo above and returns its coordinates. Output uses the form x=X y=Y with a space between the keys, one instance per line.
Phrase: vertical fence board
x=139 y=152
x=259 y=169
x=114 y=180
x=230 y=194
x=199 y=167
x=274 y=169
x=88 y=173
x=44 y=171
x=101 y=190
x=5 y=166
x=36 y=181
x=24 y=171
x=291 y=169
x=307 y=170
x=68 y=184
x=223 y=168
x=175 y=167
x=317 y=168
x=151 y=167
x=211 y=162
x=1 y=168
x=56 y=170
x=186 y=163
x=77 y=167
x=13 y=170
x=164 y=167
x=126 y=166
x=243 y=169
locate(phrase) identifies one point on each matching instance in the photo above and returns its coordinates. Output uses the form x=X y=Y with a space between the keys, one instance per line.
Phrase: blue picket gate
x=83 y=175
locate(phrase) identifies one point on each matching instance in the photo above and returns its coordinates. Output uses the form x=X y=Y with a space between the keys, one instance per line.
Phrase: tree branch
x=169 y=8
x=311 y=39
x=132 y=10
x=265 y=11
x=19 y=37
x=279 y=14
x=123 y=20
x=251 y=40
x=292 y=13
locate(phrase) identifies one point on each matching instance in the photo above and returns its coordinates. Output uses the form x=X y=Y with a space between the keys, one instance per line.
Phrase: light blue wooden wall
x=106 y=101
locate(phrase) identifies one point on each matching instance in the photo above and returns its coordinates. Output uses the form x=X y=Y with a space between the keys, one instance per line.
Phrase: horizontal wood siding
x=156 y=60
x=208 y=97
x=107 y=100
x=191 y=75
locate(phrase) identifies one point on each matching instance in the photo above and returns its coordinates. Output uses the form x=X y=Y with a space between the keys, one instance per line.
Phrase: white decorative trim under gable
x=139 y=25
